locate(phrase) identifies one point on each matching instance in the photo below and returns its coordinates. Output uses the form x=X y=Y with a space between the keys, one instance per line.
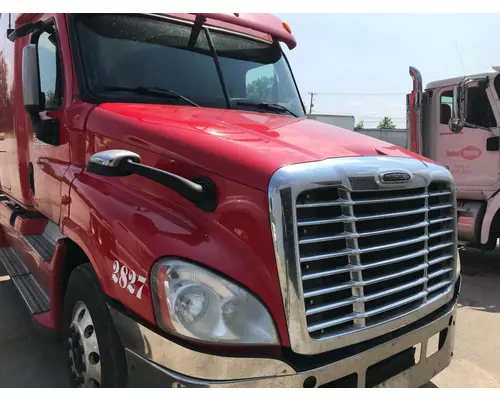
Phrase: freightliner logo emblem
x=395 y=177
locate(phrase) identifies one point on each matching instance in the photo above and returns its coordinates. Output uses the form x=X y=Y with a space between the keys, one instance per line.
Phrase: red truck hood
x=246 y=147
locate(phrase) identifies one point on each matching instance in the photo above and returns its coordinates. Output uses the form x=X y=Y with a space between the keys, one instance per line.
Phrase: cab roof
x=455 y=81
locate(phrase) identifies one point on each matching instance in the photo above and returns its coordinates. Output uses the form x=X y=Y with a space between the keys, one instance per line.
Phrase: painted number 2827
x=127 y=279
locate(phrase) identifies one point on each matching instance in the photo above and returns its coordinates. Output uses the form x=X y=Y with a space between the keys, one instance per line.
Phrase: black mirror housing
x=493 y=143
x=47 y=131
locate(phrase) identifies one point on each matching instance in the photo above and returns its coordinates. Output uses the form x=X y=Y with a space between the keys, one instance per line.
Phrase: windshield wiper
x=265 y=106
x=152 y=91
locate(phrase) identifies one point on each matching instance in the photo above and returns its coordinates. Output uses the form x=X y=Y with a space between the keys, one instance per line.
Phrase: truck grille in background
x=367 y=257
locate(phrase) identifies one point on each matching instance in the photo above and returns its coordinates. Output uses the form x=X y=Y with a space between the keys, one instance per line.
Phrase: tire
x=96 y=357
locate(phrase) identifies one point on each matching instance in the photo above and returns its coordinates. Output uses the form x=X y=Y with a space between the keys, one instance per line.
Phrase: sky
x=362 y=60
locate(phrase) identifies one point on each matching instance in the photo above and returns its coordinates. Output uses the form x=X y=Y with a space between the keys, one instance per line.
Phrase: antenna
x=10 y=30
x=311 y=104
x=460 y=57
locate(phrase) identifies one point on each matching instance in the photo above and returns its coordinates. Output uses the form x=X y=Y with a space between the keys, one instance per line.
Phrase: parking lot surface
x=29 y=357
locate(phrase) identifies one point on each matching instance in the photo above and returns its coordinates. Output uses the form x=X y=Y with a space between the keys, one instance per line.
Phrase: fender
x=493 y=205
x=125 y=225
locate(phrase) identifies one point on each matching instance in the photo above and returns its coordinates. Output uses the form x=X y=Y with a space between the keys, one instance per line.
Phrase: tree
x=359 y=125
x=386 y=123
x=261 y=89
x=6 y=114
x=51 y=99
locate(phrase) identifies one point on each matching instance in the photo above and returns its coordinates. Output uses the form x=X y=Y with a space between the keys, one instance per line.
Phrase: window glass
x=132 y=51
x=48 y=63
x=479 y=111
x=446 y=111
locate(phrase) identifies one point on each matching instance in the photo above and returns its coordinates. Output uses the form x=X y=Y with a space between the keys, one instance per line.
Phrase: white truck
x=455 y=122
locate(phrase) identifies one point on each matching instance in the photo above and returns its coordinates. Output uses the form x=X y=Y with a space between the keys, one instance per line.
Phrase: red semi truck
x=168 y=208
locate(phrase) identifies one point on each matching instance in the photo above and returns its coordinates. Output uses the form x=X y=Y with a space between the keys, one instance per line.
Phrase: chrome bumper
x=154 y=361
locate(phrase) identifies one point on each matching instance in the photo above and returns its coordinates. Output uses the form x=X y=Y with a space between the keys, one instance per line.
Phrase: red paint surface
x=245 y=147
x=30 y=226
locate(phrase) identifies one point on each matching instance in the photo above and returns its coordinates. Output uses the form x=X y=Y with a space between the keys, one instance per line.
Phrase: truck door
x=48 y=163
x=465 y=153
x=7 y=137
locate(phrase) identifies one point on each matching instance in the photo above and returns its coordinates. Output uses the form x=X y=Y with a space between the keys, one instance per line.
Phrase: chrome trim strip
x=190 y=362
x=284 y=187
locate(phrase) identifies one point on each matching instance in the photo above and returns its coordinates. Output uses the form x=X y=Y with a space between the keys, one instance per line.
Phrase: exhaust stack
x=414 y=113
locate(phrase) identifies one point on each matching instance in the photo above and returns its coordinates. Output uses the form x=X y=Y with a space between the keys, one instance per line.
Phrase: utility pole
x=311 y=105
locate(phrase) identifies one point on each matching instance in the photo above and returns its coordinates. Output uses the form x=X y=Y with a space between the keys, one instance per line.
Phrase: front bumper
x=154 y=361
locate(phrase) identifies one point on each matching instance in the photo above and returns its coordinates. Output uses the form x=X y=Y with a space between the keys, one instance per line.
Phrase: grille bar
x=367 y=250
x=395 y=260
x=440 y=259
x=440 y=246
x=363 y=234
x=440 y=206
x=370 y=201
x=353 y=316
x=440 y=220
x=437 y=194
x=395 y=289
x=368 y=256
x=440 y=233
x=331 y=306
x=440 y=272
x=352 y=284
x=439 y=286
x=364 y=218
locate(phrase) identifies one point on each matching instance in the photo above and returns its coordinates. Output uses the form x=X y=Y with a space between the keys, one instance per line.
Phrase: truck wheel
x=95 y=354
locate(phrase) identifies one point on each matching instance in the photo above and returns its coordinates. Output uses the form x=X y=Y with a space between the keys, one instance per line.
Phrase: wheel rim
x=83 y=348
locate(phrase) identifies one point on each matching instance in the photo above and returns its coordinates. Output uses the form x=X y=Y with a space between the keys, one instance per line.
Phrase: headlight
x=199 y=304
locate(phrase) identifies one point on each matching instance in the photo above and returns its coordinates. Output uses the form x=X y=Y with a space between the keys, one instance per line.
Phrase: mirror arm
x=467 y=125
x=200 y=191
x=25 y=29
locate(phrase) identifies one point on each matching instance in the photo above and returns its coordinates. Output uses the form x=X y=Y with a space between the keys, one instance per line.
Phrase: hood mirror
x=111 y=162
x=201 y=190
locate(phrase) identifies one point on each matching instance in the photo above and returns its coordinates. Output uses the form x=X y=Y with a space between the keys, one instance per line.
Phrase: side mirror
x=46 y=130
x=459 y=117
x=455 y=125
x=31 y=82
x=201 y=191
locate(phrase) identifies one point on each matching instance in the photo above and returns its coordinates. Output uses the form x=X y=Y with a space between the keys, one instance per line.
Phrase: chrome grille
x=367 y=257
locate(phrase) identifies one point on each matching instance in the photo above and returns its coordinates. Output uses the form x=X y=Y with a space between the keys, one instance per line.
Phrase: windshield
x=211 y=68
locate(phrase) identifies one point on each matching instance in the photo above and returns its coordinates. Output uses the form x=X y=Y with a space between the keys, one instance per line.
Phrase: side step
x=11 y=262
x=42 y=246
x=31 y=292
x=45 y=243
